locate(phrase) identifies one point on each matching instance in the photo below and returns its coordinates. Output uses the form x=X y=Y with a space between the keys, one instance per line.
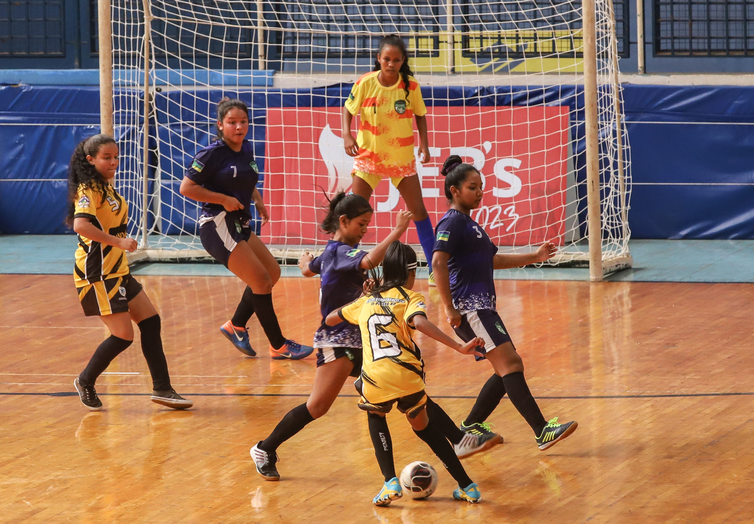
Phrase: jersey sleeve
x=448 y=235
x=87 y=202
x=416 y=100
x=315 y=266
x=416 y=306
x=351 y=312
x=348 y=258
x=200 y=169
x=355 y=98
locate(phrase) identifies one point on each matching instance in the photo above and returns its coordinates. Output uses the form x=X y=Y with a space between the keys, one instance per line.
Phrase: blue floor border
x=711 y=261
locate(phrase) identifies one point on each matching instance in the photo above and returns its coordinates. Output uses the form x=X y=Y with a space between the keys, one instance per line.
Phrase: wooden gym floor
x=658 y=376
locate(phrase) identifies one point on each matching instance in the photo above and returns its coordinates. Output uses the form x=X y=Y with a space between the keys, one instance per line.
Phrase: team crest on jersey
x=238 y=226
x=353 y=253
x=197 y=166
x=350 y=96
x=83 y=201
x=443 y=236
x=254 y=166
x=122 y=291
x=400 y=106
x=500 y=328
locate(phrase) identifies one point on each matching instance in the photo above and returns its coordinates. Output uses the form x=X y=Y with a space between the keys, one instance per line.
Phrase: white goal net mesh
x=502 y=80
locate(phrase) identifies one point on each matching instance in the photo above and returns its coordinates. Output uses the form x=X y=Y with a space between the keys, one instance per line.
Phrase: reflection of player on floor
x=224 y=177
x=388 y=100
x=343 y=269
x=393 y=370
x=464 y=260
x=106 y=288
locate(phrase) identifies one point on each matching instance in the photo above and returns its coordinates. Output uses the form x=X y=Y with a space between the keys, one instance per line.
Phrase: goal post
x=527 y=92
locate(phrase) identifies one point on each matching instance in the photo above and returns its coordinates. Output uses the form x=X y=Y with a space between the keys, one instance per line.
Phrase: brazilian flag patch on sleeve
x=353 y=253
x=197 y=166
x=443 y=236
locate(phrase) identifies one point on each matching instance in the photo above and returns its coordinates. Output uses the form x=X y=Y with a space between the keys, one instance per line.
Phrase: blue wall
x=692 y=153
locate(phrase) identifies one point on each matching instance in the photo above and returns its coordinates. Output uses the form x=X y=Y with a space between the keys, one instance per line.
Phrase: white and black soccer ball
x=418 y=480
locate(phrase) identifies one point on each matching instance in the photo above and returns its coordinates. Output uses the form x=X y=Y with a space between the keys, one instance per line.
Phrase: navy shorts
x=484 y=323
x=355 y=355
x=221 y=234
x=108 y=297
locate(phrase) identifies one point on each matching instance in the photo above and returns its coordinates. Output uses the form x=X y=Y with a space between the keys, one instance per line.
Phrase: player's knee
x=317 y=408
x=262 y=285
x=151 y=324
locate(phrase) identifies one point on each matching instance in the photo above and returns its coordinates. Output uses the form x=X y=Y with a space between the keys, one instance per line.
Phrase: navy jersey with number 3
x=220 y=169
x=470 y=265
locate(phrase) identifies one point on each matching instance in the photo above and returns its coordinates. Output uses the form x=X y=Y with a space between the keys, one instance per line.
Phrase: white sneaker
x=472 y=444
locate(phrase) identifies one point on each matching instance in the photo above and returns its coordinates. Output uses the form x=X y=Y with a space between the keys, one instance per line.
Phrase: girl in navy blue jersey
x=224 y=177
x=343 y=268
x=463 y=261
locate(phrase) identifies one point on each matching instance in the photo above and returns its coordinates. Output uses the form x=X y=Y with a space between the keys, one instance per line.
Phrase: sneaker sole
x=487 y=445
x=90 y=408
x=565 y=435
x=278 y=356
x=464 y=498
x=233 y=341
x=391 y=498
x=175 y=404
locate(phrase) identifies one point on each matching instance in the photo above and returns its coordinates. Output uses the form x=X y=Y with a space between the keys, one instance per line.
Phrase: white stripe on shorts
x=472 y=317
x=328 y=354
x=221 y=227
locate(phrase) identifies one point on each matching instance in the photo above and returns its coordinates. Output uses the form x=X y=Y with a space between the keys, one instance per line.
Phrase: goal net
x=503 y=82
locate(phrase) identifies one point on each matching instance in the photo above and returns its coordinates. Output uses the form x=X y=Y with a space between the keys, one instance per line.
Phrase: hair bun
x=224 y=99
x=450 y=164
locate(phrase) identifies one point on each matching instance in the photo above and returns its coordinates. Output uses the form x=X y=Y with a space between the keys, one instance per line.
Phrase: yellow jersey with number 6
x=393 y=367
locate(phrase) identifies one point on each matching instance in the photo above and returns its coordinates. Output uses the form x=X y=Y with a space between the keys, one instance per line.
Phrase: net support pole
x=451 y=54
x=640 y=36
x=104 y=33
x=145 y=168
x=261 y=54
x=592 y=145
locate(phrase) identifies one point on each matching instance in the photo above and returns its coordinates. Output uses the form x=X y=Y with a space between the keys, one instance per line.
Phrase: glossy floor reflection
x=657 y=374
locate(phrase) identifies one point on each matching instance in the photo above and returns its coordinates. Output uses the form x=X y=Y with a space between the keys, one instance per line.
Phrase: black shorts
x=110 y=296
x=411 y=404
x=355 y=355
x=221 y=234
x=484 y=323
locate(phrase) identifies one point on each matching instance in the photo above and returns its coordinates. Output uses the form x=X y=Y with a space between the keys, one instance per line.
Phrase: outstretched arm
x=545 y=252
x=375 y=256
x=423 y=324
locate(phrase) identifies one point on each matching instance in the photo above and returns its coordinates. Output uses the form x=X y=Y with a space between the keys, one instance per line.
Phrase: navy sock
x=293 y=422
x=444 y=451
x=441 y=419
x=269 y=320
x=426 y=238
x=489 y=397
x=523 y=401
x=244 y=310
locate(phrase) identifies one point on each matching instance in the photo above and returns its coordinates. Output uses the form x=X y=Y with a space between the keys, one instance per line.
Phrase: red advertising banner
x=521 y=152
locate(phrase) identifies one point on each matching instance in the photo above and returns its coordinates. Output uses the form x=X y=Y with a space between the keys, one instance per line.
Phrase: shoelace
x=552 y=423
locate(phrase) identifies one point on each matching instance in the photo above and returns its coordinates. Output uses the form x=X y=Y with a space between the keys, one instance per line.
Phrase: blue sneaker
x=390 y=491
x=238 y=337
x=291 y=351
x=470 y=493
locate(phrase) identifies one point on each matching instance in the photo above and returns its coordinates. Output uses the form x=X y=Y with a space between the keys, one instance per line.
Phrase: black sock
x=522 y=399
x=151 y=346
x=441 y=419
x=383 y=445
x=244 y=310
x=293 y=422
x=106 y=352
x=444 y=451
x=489 y=397
x=269 y=320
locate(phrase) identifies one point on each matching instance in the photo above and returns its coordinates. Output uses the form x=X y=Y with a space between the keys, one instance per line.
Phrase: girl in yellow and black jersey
x=392 y=371
x=105 y=286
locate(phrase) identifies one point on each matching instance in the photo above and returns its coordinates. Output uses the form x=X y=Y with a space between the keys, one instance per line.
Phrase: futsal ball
x=418 y=480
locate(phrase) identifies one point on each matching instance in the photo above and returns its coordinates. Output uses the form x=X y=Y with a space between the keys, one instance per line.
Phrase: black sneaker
x=480 y=429
x=88 y=396
x=554 y=433
x=171 y=399
x=265 y=462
